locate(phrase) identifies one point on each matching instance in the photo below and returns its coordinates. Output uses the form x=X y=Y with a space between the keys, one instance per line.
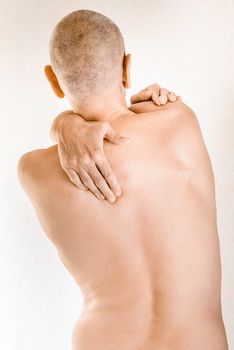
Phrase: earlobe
x=52 y=79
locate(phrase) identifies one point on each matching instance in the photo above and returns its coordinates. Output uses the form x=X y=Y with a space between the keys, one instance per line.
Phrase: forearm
x=62 y=121
x=55 y=128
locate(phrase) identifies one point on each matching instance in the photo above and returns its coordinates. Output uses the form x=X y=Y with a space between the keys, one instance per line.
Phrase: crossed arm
x=80 y=145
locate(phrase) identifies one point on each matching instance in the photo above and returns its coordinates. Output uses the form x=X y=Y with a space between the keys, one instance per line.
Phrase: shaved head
x=86 y=52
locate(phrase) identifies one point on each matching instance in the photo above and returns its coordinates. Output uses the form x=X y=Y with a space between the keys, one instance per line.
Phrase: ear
x=51 y=77
x=126 y=79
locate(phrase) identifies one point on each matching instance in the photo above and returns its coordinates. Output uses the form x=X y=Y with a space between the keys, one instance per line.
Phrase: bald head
x=86 y=51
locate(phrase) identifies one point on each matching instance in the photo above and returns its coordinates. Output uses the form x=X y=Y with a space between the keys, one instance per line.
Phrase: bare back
x=149 y=264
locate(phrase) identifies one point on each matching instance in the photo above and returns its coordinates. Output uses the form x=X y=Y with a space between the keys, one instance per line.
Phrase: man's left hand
x=154 y=92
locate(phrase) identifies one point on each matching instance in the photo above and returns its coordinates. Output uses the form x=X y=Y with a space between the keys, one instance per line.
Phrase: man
x=148 y=264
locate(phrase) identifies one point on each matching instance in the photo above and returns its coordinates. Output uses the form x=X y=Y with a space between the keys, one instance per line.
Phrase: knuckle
x=108 y=175
x=73 y=165
x=69 y=163
x=97 y=180
x=97 y=129
x=96 y=192
x=85 y=178
x=148 y=89
x=87 y=181
x=66 y=166
x=96 y=154
x=73 y=177
x=84 y=159
x=154 y=86
x=104 y=126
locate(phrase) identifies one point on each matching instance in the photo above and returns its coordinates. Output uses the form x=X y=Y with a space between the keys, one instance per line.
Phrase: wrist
x=62 y=122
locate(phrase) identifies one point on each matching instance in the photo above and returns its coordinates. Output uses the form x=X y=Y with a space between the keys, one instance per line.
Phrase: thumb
x=112 y=136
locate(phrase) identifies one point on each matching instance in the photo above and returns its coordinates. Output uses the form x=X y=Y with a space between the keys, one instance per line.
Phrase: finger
x=109 y=176
x=163 y=93
x=87 y=180
x=73 y=176
x=143 y=95
x=111 y=135
x=101 y=184
x=155 y=98
x=171 y=96
x=155 y=94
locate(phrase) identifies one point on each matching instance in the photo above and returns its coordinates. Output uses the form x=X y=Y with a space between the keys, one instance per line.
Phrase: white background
x=184 y=45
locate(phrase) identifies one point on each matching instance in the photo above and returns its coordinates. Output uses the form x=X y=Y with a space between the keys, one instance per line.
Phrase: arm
x=80 y=144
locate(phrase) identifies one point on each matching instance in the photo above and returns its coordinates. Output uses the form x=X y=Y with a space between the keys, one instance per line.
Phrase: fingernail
x=112 y=199
x=118 y=193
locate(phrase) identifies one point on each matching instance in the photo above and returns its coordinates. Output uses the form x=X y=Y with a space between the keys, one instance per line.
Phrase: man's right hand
x=80 y=148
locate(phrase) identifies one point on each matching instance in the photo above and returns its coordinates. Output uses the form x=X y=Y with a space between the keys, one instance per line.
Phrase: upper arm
x=188 y=139
x=189 y=146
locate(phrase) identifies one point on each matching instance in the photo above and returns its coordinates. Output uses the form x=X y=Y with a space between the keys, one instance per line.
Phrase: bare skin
x=80 y=143
x=149 y=264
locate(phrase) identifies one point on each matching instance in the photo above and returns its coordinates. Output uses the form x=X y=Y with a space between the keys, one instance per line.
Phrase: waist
x=131 y=328
x=152 y=309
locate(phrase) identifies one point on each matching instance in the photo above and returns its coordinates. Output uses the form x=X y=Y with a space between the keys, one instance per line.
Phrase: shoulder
x=177 y=114
x=33 y=166
x=180 y=130
x=186 y=135
x=179 y=126
x=189 y=148
x=27 y=163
